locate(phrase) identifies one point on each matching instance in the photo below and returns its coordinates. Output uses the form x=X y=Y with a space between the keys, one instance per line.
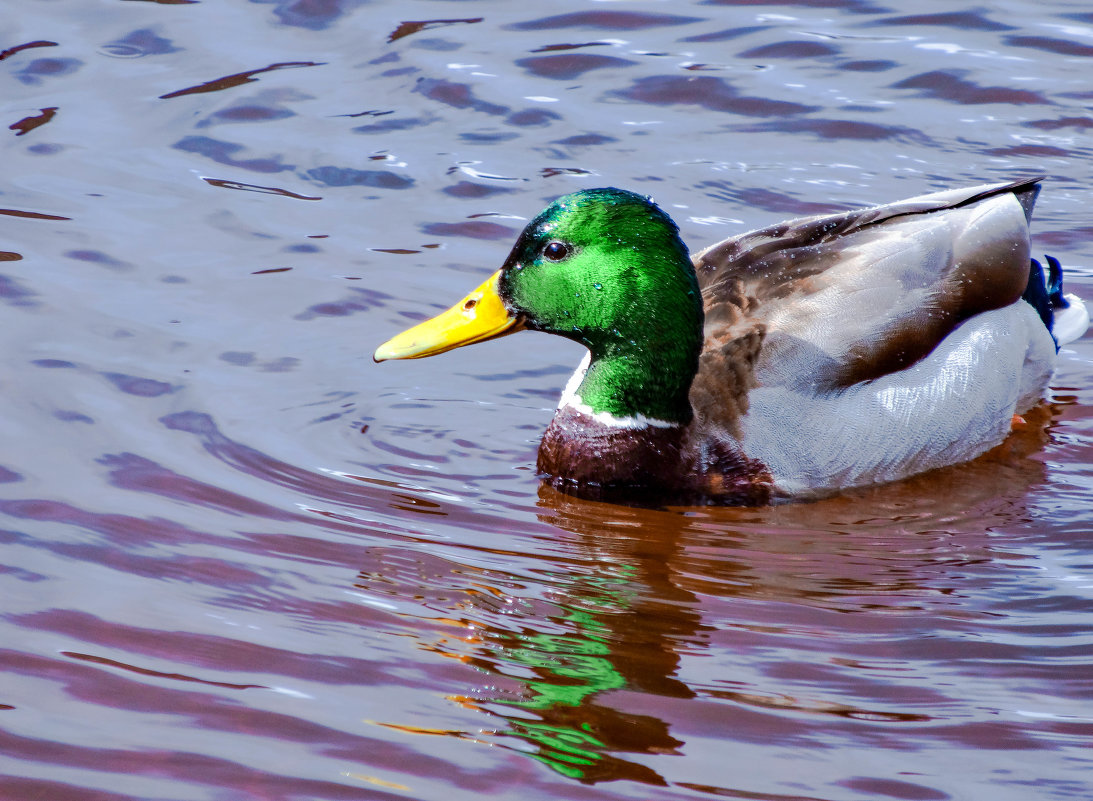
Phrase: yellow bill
x=478 y=317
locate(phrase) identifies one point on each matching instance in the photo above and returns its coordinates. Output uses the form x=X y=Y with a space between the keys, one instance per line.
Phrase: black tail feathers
x=1045 y=292
x=1055 y=283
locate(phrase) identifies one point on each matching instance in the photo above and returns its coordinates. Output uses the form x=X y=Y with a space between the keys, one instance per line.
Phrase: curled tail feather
x=1065 y=316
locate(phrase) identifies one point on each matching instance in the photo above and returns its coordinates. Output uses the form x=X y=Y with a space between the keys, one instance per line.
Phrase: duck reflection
x=623 y=623
x=586 y=667
x=610 y=622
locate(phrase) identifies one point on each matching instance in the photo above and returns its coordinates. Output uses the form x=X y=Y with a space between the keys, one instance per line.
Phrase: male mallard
x=816 y=354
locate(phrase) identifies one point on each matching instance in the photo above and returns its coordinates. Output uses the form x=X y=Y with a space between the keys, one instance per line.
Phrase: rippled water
x=241 y=561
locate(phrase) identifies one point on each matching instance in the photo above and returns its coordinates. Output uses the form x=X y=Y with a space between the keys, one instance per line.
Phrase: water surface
x=241 y=561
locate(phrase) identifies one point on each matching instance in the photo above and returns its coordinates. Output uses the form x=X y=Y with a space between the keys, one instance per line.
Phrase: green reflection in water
x=584 y=660
x=574 y=734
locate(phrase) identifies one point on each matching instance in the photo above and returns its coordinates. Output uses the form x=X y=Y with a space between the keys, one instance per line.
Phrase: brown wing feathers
x=830 y=301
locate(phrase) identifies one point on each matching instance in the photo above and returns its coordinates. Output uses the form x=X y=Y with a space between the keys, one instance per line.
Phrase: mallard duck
x=814 y=355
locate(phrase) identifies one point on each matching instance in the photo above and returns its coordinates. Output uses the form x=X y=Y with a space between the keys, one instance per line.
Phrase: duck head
x=603 y=267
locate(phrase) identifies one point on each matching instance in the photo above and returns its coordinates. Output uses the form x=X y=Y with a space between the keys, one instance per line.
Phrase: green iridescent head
x=603 y=267
x=607 y=268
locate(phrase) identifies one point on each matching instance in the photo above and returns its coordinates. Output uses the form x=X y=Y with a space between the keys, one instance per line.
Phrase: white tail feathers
x=1071 y=321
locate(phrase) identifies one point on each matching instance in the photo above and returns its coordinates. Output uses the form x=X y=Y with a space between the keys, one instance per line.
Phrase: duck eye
x=556 y=251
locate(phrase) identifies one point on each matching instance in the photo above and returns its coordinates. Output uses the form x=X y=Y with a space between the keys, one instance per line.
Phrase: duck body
x=792 y=361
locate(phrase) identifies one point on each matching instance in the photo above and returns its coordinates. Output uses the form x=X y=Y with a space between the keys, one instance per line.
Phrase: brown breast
x=650 y=466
